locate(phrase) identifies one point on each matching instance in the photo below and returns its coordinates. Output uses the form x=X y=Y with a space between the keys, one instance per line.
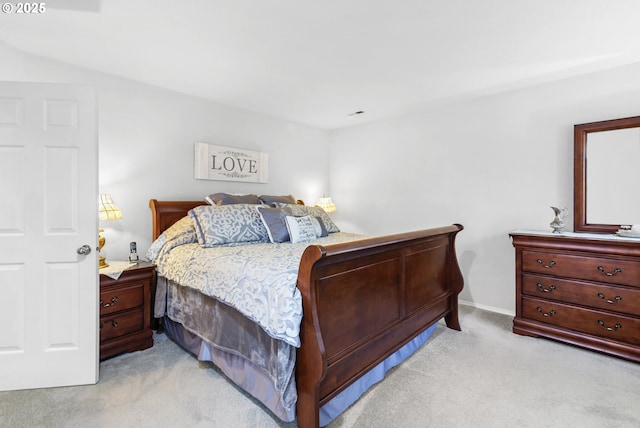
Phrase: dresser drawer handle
x=617 y=326
x=614 y=273
x=545 y=290
x=113 y=323
x=611 y=302
x=114 y=299
x=549 y=314
x=549 y=266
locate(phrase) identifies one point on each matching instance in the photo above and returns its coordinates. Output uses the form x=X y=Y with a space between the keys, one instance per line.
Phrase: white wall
x=146 y=137
x=495 y=163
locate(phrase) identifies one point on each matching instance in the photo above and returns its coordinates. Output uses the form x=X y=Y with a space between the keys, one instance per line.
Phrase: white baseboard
x=487 y=308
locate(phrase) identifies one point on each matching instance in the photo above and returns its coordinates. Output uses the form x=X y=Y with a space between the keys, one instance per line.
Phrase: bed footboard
x=365 y=299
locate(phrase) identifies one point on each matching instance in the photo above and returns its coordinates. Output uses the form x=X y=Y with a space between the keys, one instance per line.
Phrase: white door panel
x=48 y=189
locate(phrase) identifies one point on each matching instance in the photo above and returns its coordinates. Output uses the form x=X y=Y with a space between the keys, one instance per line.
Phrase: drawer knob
x=617 y=326
x=549 y=266
x=113 y=323
x=545 y=290
x=114 y=299
x=611 y=302
x=547 y=314
x=614 y=273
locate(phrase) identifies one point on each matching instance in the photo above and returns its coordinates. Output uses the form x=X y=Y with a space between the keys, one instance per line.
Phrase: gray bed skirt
x=246 y=354
x=262 y=366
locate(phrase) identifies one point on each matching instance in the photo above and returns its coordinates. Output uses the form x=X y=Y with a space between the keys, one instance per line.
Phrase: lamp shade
x=326 y=204
x=107 y=210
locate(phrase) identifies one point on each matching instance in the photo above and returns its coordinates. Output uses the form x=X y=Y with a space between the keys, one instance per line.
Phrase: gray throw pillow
x=274 y=221
x=273 y=200
x=229 y=199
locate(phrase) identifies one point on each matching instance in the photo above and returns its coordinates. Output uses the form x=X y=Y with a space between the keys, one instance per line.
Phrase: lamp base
x=102 y=263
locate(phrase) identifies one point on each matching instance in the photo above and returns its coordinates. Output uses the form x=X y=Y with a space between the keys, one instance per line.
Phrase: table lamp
x=107 y=210
x=326 y=204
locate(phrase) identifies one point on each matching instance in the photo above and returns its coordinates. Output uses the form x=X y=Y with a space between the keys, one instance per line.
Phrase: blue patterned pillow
x=302 y=210
x=228 y=224
x=181 y=232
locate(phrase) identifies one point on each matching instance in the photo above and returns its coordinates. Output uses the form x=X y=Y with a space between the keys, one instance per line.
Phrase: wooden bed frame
x=362 y=301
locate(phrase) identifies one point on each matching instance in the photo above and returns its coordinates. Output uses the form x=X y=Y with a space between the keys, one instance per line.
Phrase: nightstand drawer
x=597 y=323
x=613 y=271
x=125 y=311
x=121 y=324
x=121 y=298
x=608 y=297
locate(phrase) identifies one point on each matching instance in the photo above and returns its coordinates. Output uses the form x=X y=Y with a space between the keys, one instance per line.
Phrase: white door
x=48 y=210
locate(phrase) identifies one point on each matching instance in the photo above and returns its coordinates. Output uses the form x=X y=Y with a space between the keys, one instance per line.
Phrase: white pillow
x=321 y=231
x=301 y=229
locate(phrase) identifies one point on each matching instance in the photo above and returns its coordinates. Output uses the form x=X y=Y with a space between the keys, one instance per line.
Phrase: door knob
x=84 y=250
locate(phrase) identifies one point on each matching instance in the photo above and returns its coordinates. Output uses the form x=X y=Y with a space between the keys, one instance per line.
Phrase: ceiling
x=318 y=62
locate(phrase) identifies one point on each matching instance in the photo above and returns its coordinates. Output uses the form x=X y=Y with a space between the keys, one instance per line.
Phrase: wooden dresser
x=579 y=288
x=125 y=311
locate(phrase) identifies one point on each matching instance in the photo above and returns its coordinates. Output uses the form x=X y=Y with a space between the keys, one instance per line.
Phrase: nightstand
x=125 y=311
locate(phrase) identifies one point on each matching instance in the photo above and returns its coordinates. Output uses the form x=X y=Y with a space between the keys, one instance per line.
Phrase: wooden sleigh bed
x=361 y=301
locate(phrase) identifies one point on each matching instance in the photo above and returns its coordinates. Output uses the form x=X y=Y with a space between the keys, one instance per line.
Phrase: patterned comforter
x=258 y=279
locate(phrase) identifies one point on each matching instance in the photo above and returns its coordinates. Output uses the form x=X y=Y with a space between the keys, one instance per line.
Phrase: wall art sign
x=230 y=164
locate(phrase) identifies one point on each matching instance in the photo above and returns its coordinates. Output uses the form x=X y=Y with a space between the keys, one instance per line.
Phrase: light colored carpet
x=484 y=376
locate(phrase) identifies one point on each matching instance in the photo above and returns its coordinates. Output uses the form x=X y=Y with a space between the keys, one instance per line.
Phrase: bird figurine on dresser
x=558 y=222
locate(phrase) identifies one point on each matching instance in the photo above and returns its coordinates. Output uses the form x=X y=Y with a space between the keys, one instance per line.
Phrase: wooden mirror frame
x=580 y=171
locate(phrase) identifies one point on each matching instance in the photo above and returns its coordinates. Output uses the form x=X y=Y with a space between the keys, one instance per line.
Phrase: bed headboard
x=166 y=213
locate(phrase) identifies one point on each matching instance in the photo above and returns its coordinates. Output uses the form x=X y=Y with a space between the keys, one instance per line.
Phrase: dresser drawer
x=597 y=323
x=121 y=298
x=120 y=324
x=611 y=298
x=613 y=271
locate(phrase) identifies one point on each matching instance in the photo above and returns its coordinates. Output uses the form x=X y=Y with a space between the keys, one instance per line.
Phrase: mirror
x=606 y=175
